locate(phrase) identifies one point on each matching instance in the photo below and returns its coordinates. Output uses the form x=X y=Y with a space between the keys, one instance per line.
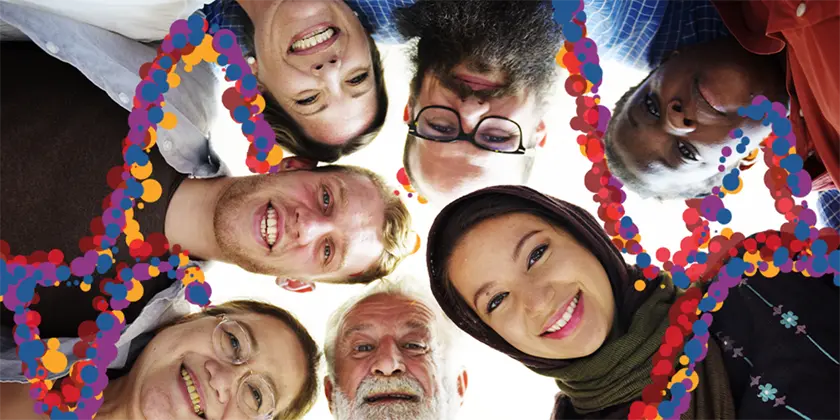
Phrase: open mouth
x=389 y=398
x=565 y=319
x=311 y=41
x=268 y=226
x=192 y=390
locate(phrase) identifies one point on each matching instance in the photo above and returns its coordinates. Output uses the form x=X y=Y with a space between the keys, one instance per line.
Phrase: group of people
x=529 y=275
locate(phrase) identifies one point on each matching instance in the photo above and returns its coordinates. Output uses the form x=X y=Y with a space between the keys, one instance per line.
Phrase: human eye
x=307 y=101
x=651 y=105
x=327 y=252
x=359 y=79
x=415 y=346
x=234 y=343
x=442 y=128
x=686 y=151
x=536 y=254
x=496 y=138
x=325 y=198
x=363 y=348
x=496 y=301
x=256 y=395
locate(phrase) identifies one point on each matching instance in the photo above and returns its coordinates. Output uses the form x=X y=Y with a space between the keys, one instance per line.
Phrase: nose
x=331 y=63
x=311 y=225
x=223 y=377
x=389 y=361
x=676 y=120
x=537 y=299
x=471 y=110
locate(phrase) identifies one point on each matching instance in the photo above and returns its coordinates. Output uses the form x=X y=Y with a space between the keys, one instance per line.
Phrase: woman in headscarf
x=242 y=359
x=539 y=280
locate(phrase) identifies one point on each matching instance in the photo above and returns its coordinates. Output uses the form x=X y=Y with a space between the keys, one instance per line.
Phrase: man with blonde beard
x=390 y=356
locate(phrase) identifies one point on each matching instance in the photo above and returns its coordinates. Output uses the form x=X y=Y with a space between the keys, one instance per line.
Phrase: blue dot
x=626 y=222
x=681 y=280
x=724 y=216
x=75 y=282
x=149 y=92
x=165 y=62
x=125 y=203
x=174 y=260
x=233 y=72
x=781 y=146
x=722 y=159
x=155 y=261
x=738 y=132
x=62 y=273
x=693 y=348
x=112 y=230
x=241 y=114
x=643 y=260
x=741 y=148
x=89 y=375
x=702 y=257
x=222 y=60
x=87 y=392
x=780 y=256
x=781 y=127
x=196 y=37
x=707 y=304
x=155 y=115
x=834 y=260
x=214 y=28
x=248 y=127
x=88 y=279
x=195 y=22
x=126 y=274
x=802 y=231
x=677 y=390
x=179 y=41
x=226 y=41
x=700 y=327
x=105 y=321
x=792 y=163
x=261 y=156
x=819 y=247
x=103 y=264
x=249 y=82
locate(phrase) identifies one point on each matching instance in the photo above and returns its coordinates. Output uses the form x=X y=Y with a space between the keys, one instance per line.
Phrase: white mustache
x=388 y=385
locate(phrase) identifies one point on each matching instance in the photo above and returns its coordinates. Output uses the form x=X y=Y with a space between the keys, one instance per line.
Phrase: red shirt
x=809 y=32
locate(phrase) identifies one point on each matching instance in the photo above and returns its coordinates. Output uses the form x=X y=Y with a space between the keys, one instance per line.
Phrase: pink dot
x=721 y=168
x=726 y=151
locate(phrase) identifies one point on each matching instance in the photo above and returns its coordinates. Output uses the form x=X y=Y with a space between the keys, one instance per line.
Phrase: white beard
x=428 y=408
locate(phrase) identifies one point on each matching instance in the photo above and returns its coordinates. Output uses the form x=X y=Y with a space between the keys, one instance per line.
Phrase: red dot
x=662 y=254
x=396 y=192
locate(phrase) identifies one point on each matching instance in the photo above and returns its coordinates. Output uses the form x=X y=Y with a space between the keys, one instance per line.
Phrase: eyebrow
x=357 y=328
x=481 y=290
x=343 y=201
x=521 y=243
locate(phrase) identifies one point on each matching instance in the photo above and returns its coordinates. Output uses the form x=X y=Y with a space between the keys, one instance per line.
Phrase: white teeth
x=269 y=226
x=313 y=39
x=195 y=399
x=566 y=316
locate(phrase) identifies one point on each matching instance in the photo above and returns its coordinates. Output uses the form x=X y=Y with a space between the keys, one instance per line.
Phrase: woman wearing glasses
x=239 y=360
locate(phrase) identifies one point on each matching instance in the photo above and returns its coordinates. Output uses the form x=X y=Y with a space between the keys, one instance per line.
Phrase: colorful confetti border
x=799 y=248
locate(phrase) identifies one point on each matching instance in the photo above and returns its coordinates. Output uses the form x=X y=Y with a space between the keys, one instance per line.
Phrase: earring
x=250 y=60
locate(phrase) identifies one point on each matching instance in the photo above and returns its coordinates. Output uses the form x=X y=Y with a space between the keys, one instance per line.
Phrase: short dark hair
x=616 y=165
x=291 y=136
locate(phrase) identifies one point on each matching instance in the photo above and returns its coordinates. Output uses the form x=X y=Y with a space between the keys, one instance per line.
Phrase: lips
x=268 y=226
x=566 y=319
x=385 y=398
x=708 y=96
x=314 y=39
x=192 y=391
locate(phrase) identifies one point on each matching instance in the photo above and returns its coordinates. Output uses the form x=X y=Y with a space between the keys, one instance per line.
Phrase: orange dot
x=639 y=285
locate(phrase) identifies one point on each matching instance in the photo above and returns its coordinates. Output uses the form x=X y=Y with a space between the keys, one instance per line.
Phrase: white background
x=499 y=388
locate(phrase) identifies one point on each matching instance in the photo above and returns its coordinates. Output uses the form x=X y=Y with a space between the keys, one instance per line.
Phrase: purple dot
x=726 y=151
x=721 y=168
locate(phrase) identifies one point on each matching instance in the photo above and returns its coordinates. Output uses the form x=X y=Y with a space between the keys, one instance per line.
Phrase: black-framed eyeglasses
x=443 y=124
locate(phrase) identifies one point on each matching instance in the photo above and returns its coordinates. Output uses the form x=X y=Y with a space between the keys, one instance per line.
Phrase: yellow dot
x=53 y=344
x=169 y=121
x=136 y=291
x=422 y=199
x=85 y=287
x=661 y=286
x=259 y=101
x=683 y=360
x=154 y=271
x=639 y=285
x=275 y=155
x=119 y=314
x=141 y=172
x=140 y=206
x=54 y=361
x=173 y=79
x=151 y=190
x=152 y=138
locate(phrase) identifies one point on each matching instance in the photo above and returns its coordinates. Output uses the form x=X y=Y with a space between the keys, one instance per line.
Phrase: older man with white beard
x=390 y=355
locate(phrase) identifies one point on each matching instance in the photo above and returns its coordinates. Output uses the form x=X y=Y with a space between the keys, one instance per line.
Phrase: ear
x=541 y=134
x=462 y=385
x=297 y=286
x=407 y=114
x=294 y=163
x=328 y=391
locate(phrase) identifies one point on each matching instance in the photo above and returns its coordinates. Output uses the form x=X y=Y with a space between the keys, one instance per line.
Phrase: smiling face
x=315 y=59
x=670 y=132
x=535 y=285
x=306 y=225
x=384 y=361
x=456 y=168
x=161 y=391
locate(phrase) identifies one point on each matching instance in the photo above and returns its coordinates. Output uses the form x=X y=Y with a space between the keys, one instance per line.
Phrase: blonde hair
x=396 y=229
